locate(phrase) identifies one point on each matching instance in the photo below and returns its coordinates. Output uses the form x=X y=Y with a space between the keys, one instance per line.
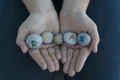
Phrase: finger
x=47 y=45
x=84 y=53
x=63 y=54
x=22 y=33
x=35 y=54
x=69 y=57
x=95 y=39
x=73 y=62
x=48 y=60
x=58 y=52
x=22 y=45
x=54 y=59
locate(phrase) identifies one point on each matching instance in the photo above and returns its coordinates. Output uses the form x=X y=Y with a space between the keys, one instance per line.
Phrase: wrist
x=38 y=6
x=75 y=5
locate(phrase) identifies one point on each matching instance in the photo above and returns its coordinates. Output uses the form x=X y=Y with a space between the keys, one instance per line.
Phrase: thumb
x=20 y=41
x=94 y=46
x=95 y=40
x=22 y=45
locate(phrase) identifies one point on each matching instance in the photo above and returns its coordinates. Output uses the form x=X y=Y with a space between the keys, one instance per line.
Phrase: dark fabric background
x=105 y=65
x=102 y=66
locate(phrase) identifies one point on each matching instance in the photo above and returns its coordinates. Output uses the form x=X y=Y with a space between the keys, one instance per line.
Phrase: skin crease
x=73 y=18
x=39 y=21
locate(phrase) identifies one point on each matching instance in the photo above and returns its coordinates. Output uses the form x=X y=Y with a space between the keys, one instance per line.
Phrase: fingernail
x=95 y=50
x=51 y=69
x=57 y=69
x=44 y=67
x=59 y=57
x=65 y=70
x=24 y=50
x=71 y=73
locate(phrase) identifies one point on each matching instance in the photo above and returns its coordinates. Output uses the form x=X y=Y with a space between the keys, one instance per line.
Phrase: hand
x=76 y=21
x=38 y=23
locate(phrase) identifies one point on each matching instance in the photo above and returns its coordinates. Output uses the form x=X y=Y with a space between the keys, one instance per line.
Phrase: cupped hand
x=78 y=22
x=37 y=23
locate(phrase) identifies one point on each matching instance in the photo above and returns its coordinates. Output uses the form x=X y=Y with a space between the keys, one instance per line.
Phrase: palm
x=77 y=22
x=38 y=23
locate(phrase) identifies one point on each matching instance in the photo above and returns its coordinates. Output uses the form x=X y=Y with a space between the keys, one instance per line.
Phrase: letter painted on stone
x=72 y=37
x=57 y=39
x=34 y=43
x=82 y=39
x=47 y=37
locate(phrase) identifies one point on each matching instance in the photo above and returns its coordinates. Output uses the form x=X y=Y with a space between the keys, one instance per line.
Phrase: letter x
x=82 y=39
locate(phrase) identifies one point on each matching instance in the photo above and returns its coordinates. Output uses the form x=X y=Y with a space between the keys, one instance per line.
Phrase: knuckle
x=55 y=61
x=56 y=47
x=52 y=51
x=72 y=64
x=63 y=48
x=48 y=59
x=57 y=51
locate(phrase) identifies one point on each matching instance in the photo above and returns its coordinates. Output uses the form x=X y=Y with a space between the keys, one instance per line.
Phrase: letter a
x=72 y=37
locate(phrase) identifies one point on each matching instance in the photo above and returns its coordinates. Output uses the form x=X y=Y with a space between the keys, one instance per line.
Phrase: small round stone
x=84 y=39
x=34 y=41
x=58 y=39
x=70 y=38
x=47 y=37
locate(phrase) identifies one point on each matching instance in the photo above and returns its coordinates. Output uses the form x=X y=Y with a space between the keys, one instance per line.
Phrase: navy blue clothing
x=105 y=65
x=102 y=66
x=14 y=65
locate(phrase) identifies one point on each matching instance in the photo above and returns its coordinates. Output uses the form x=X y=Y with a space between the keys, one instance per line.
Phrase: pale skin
x=43 y=17
x=73 y=18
